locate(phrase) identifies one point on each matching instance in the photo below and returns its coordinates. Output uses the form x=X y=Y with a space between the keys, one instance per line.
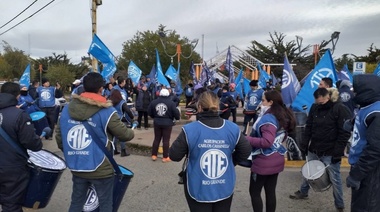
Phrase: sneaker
x=154 y=157
x=340 y=209
x=165 y=160
x=298 y=195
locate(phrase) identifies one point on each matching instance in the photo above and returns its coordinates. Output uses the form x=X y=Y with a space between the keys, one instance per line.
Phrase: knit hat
x=164 y=92
x=226 y=88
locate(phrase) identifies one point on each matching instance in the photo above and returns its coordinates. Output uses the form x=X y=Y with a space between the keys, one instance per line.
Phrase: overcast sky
x=65 y=25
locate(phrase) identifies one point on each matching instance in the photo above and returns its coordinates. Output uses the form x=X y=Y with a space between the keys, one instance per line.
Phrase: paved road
x=154 y=186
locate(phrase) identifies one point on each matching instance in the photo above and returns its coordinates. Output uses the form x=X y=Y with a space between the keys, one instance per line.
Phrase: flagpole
x=95 y=4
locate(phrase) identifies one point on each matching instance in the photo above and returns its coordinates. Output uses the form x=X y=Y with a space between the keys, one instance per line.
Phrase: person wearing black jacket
x=214 y=138
x=364 y=157
x=163 y=111
x=142 y=102
x=14 y=170
x=226 y=103
x=325 y=139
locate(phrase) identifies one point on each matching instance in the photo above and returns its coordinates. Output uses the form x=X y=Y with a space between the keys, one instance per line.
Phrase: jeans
x=334 y=175
x=103 y=188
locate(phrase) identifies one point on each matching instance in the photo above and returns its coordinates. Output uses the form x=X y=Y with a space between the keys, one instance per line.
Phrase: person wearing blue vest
x=121 y=81
x=46 y=101
x=189 y=92
x=325 y=139
x=26 y=102
x=87 y=162
x=14 y=170
x=364 y=157
x=213 y=147
x=269 y=131
x=125 y=115
x=252 y=102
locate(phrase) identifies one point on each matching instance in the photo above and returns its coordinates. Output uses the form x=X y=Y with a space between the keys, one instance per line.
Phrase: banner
x=324 y=68
x=160 y=75
x=134 y=72
x=238 y=87
x=192 y=73
x=204 y=75
x=345 y=74
x=101 y=52
x=290 y=84
x=171 y=73
x=25 y=77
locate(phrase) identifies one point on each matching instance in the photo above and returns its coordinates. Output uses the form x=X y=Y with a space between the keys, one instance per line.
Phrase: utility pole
x=95 y=4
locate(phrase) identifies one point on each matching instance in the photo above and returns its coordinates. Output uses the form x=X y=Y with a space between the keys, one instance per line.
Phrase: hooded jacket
x=83 y=107
x=367 y=168
x=18 y=125
x=324 y=134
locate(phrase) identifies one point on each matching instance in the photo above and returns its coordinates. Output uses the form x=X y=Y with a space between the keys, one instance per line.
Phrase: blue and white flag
x=377 y=70
x=229 y=67
x=345 y=74
x=274 y=79
x=192 y=73
x=160 y=75
x=25 y=77
x=263 y=73
x=324 y=68
x=290 y=84
x=134 y=72
x=246 y=86
x=153 y=75
x=262 y=82
x=204 y=75
x=171 y=73
x=238 y=87
x=101 y=52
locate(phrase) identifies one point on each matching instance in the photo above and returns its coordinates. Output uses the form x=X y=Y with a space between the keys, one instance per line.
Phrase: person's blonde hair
x=208 y=101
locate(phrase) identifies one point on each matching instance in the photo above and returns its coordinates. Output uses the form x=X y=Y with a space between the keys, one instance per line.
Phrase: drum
x=120 y=186
x=39 y=121
x=46 y=170
x=132 y=108
x=315 y=173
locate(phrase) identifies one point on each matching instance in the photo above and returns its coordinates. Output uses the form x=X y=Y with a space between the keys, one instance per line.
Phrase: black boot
x=124 y=153
x=115 y=152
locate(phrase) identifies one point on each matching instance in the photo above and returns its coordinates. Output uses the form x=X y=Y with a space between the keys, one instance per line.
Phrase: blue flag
x=324 y=68
x=25 y=77
x=274 y=79
x=229 y=67
x=377 y=70
x=290 y=84
x=178 y=87
x=171 y=73
x=263 y=73
x=345 y=74
x=153 y=75
x=160 y=75
x=134 y=72
x=246 y=86
x=238 y=87
x=204 y=74
x=101 y=52
x=192 y=73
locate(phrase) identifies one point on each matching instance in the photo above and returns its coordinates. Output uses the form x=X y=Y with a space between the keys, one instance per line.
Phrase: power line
x=19 y=14
x=28 y=17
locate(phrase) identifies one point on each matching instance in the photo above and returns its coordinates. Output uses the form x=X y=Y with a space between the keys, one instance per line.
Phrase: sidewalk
x=145 y=138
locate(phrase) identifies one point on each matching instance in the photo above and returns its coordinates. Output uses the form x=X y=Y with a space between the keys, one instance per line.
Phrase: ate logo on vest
x=355 y=136
x=214 y=163
x=45 y=95
x=78 y=137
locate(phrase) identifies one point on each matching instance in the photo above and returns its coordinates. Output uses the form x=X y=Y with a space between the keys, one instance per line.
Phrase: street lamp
x=334 y=40
x=178 y=53
x=299 y=40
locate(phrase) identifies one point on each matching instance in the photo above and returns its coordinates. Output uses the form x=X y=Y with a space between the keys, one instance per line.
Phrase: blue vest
x=359 y=140
x=122 y=91
x=210 y=170
x=280 y=135
x=82 y=154
x=46 y=96
x=253 y=99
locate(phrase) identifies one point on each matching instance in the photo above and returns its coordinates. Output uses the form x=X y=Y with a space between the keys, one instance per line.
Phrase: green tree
x=60 y=73
x=274 y=53
x=12 y=62
x=141 y=50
